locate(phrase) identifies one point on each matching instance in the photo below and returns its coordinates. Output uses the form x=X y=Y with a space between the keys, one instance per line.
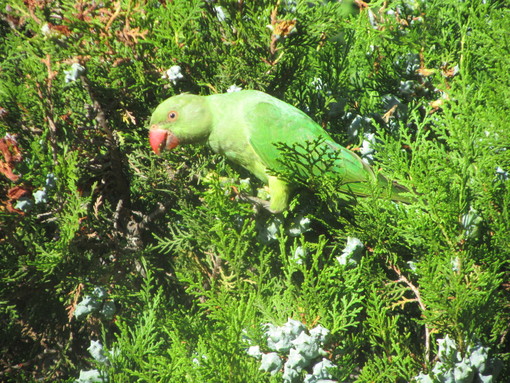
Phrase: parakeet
x=247 y=127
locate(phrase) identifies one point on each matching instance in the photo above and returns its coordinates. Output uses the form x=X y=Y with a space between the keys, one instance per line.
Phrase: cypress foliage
x=121 y=266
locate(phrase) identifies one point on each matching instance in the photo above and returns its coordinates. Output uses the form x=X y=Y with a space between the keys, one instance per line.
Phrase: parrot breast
x=162 y=139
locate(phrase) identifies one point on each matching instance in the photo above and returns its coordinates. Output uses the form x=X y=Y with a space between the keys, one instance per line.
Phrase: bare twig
x=403 y=279
x=117 y=214
x=135 y=229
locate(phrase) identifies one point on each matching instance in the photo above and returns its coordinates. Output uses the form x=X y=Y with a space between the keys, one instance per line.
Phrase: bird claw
x=258 y=203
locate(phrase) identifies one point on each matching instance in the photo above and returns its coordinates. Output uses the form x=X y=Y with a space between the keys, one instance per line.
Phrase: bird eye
x=172 y=116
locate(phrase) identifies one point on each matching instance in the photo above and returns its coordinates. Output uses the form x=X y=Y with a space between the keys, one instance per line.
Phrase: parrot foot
x=258 y=203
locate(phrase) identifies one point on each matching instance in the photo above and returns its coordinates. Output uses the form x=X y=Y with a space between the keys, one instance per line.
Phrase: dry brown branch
x=403 y=279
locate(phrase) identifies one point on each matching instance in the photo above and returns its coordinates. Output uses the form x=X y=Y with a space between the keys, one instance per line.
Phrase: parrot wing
x=275 y=122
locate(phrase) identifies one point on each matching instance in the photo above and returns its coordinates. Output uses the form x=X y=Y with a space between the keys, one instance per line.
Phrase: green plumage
x=247 y=128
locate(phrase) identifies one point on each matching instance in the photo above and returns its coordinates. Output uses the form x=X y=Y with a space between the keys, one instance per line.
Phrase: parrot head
x=182 y=119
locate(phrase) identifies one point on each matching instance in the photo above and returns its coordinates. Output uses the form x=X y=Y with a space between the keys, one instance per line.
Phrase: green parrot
x=247 y=127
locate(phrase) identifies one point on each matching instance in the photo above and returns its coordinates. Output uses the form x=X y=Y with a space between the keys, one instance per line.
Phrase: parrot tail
x=397 y=192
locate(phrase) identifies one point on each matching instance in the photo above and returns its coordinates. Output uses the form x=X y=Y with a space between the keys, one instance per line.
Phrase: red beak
x=160 y=139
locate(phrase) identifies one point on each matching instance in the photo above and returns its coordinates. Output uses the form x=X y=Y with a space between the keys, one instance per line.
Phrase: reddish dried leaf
x=426 y=72
x=12 y=209
x=361 y=4
x=12 y=155
x=17 y=192
x=449 y=71
x=13 y=194
x=284 y=27
x=10 y=150
x=33 y=4
x=84 y=9
x=7 y=171
x=62 y=29
x=130 y=36
x=76 y=295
